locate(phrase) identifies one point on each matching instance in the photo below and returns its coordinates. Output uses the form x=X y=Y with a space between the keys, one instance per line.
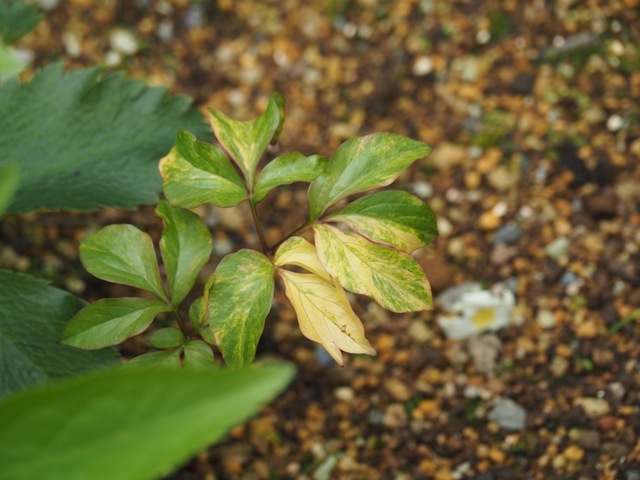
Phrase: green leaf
x=111 y=321
x=199 y=316
x=394 y=218
x=391 y=277
x=164 y=359
x=84 y=141
x=10 y=65
x=197 y=172
x=123 y=254
x=197 y=354
x=360 y=164
x=128 y=423
x=9 y=180
x=166 y=338
x=247 y=141
x=279 y=99
x=32 y=317
x=293 y=167
x=185 y=246
x=17 y=19
x=239 y=300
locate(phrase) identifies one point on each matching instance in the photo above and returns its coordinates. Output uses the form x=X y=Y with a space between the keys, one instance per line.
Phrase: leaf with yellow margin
x=239 y=300
x=247 y=141
x=394 y=218
x=391 y=277
x=360 y=164
x=196 y=172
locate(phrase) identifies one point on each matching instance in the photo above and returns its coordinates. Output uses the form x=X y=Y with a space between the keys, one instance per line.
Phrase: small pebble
x=445 y=227
x=573 y=453
x=508 y=415
x=489 y=221
x=48 y=5
x=422 y=66
x=395 y=416
x=123 y=41
x=398 y=390
x=112 y=58
x=546 y=319
x=593 y=407
x=559 y=367
x=509 y=234
x=589 y=439
x=344 y=394
x=71 y=44
x=558 y=248
x=422 y=189
x=419 y=332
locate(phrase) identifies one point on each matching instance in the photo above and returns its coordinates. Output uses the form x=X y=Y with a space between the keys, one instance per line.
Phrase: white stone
x=123 y=41
x=593 y=407
x=483 y=37
x=344 y=394
x=558 y=248
x=422 y=66
x=71 y=44
x=546 y=319
x=112 y=58
x=508 y=414
x=48 y=5
x=422 y=189
x=615 y=123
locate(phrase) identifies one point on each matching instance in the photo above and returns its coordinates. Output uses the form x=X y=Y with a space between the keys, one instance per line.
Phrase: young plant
x=364 y=247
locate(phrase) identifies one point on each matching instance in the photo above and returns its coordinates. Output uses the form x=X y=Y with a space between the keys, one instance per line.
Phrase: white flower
x=469 y=311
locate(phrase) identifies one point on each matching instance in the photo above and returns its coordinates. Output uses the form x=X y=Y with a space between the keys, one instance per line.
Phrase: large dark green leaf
x=239 y=300
x=83 y=141
x=32 y=316
x=17 y=19
x=9 y=181
x=127 y=423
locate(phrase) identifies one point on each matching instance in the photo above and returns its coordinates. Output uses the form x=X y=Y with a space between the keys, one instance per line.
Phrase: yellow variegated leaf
x=247 y=141
x=297 y=251
x=360 y=164
x=391 y=217
x=325 y=315
x=195 y=172
x=389 y=276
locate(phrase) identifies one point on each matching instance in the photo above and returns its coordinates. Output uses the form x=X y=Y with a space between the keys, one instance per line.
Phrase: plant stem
x=298 y=230
x=258 y=224
x=183 y=326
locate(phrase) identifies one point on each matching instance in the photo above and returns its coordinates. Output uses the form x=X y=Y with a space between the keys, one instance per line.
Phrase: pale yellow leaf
x=297 y=251
x=325 y=315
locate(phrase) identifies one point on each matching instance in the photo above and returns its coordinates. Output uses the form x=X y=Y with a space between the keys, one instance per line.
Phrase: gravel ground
x=533 y=110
